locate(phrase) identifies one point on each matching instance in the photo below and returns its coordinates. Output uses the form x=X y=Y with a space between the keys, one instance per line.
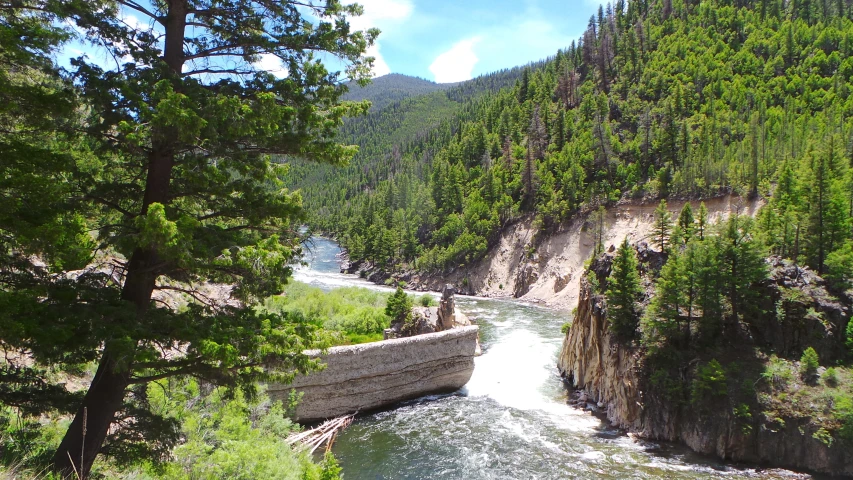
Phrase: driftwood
x=323 y=433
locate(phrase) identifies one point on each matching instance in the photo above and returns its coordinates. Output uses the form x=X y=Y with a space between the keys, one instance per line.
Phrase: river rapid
x=511 y=421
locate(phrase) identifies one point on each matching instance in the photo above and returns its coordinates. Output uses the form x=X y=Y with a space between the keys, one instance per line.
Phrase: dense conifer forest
x=657 y=99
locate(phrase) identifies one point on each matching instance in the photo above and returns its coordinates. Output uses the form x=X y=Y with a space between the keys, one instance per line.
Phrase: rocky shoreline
x=615 y=380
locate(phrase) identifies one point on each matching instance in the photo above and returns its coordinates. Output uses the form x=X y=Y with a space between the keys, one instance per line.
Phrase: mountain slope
x=658 y=99
x=392 y=88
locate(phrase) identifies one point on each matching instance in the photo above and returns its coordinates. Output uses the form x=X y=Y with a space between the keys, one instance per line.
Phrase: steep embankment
x=547 y=268
x=757 y=411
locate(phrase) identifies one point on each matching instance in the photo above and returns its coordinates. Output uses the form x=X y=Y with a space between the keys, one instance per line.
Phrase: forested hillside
x=657 y=99
x=418 y=126
x=392 y=88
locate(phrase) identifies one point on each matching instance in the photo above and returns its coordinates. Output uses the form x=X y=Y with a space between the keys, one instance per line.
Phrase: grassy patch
x=352 y=315
x=826 y=404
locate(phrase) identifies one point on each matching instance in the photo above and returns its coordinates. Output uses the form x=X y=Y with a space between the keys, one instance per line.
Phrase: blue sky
x=442 y=40
x=449 y=41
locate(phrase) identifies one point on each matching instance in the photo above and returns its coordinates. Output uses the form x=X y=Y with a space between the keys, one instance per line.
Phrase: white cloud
x=456 y=64
x=381 y=14
x=272 y=64
x=379 y=66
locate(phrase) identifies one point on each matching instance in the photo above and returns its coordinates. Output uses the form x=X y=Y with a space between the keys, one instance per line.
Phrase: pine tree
x=663 y=316
x=702 y=221
x=662 y=226
x=177 y=179
x=399 y=308
x=623 y=292
x=741 y=267
x=828 y=221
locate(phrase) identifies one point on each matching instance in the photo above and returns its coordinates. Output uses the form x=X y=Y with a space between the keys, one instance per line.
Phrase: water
x=511 y=421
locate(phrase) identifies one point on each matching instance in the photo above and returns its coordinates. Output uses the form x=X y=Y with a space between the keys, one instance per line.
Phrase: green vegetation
x=706 y=286
x=399 y=308
x=221 y=434
x=830 y=377
x=623 y=293
x=351 y=314
x=662 y=226
x=710 y=381
x=427 y=301
x=809 y=364
x=691 y=99
x=152 y=181
x=392 y=88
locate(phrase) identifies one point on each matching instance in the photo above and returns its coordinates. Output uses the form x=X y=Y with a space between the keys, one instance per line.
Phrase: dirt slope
x=549 y=273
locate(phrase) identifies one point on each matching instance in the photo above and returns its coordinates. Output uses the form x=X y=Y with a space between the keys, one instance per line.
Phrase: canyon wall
x=547 y=268
x=616 y=379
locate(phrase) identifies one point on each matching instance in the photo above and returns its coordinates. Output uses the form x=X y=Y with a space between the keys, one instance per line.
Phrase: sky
x=447 y=40
x=455 y=40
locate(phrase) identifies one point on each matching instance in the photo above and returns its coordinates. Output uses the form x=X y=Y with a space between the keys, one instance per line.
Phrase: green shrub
x=710 y=381
x=809 y=364
x=777 y=373
x=354 y=315
x=427 y=301
x=565 y=328
x=823 y=436
x=830 y=377
x=849 y=337
x=844 y=412
x=670 y=387
x=744 y=416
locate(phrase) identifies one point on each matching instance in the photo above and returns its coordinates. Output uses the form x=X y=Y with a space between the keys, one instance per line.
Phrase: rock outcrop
x=369 y=376
x=618 y=380
x=431 y=319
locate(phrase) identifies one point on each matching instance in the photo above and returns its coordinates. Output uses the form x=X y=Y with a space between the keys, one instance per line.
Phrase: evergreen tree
x=623 y=292
x=664 y=312
x=686 y=222
x=828 y=221
x=399 y=308
x=176 y=178
x=702 y=221
x=662 y=226
x=741 y=267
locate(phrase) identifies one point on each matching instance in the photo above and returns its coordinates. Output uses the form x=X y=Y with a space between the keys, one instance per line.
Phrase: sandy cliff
x=547 y=268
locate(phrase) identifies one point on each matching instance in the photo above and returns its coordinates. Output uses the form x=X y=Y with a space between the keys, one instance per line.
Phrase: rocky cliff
x=743 y=423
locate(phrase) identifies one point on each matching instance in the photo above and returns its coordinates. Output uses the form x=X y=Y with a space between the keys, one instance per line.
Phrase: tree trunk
x=91 y=424
x=86 y=434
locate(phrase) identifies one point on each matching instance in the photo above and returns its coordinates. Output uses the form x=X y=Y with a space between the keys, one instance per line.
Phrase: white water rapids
x=512 y=420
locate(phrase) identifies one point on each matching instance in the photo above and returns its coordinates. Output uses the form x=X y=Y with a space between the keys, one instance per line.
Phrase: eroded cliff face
x=617 y=379
x=546 y=267
x=594 y=363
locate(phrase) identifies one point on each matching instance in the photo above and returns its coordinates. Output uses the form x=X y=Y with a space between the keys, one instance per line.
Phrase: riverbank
x=546 y=268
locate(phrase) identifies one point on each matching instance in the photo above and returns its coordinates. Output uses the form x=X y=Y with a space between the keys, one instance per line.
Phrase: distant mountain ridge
x=392 y=88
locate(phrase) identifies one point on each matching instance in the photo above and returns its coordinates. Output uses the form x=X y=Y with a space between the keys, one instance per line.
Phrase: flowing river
x=511 y=421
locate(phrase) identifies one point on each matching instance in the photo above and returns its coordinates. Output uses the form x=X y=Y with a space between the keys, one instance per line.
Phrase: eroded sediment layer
x=364 y=377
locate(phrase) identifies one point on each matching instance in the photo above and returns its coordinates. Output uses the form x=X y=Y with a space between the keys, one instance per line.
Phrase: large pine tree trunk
x=82 y=442
x=91 y=424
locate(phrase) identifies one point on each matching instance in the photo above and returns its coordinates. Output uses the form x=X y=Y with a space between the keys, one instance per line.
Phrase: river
x=511 y=421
